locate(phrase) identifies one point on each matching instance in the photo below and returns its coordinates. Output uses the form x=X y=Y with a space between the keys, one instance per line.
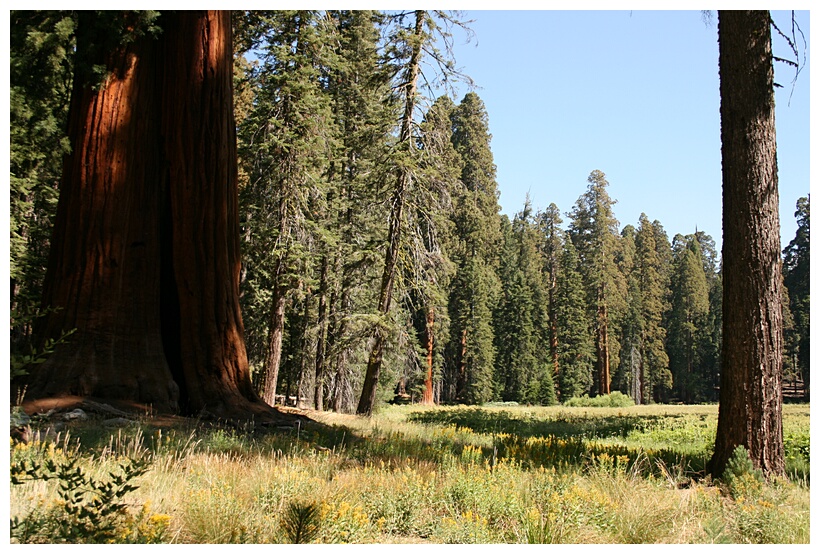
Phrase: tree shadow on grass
x=564 y=425
x=457 y=437
x=568 y=440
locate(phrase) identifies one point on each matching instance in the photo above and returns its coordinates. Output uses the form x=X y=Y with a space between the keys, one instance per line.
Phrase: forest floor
x=410 y=474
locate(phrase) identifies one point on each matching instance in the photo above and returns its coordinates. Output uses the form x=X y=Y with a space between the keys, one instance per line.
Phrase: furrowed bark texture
x=145 y=253
x=200 y=149
x=750 y=386
x=103 y=276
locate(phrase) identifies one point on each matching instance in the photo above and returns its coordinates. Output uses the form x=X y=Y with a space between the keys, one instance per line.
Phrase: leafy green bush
x=87 y=510
x=23 y=357
x=615 y=399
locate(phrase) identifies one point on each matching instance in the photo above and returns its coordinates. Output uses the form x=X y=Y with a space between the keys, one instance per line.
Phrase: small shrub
x=465 y=528
x=615 y=399
x=740 y=475
x=87 y=510
x=773 y=517
x=343 y=522
x=21 y=361
x=300 y=522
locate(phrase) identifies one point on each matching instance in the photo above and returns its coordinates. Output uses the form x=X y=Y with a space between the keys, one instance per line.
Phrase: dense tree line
x=375 y=259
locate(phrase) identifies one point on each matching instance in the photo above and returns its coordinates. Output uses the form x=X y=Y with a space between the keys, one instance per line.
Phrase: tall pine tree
x=651 y=276
x=594 y=232
x=285 y=142
x=475 y=287
x=576 y=347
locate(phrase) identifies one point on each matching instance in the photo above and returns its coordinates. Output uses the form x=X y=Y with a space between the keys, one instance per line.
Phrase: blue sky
x=634 y=94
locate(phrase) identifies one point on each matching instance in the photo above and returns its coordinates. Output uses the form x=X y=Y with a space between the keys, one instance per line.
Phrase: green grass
x=499 y=474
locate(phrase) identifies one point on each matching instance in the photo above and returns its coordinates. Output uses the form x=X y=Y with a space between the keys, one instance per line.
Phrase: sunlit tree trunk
x=427 y=397
x=750 y=385
x=103 y=277
x=374 y=363
x=145 y=257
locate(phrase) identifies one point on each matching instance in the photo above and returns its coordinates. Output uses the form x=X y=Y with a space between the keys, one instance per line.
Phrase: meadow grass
x=444 y=475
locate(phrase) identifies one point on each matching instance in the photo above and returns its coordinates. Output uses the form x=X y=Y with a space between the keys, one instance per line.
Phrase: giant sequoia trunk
x=104 y=272
x=750 y=385
x=145 y=251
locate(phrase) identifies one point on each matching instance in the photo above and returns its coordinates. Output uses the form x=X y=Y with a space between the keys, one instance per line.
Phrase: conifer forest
x=268 y=247
x=373 y=252
x=358 y=254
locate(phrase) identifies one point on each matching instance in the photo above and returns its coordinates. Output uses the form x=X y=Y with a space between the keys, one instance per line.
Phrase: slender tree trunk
x=273 y=354
x=602 y=344
x=750 y=386
x=553 y=321
x=318 y=389
x=374 y=362
x=643 y=377
x=427 y=397
x=303 y=351
x=340 y=382
x=461 y=377
x=338 y=330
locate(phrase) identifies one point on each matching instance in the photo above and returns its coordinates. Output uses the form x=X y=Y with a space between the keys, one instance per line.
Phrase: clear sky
x=634 y=94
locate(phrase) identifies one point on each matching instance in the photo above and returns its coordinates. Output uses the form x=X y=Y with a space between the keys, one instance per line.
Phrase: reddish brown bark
x=145 y=255
x=200 y=149
x=103 y=276
x=427 y=396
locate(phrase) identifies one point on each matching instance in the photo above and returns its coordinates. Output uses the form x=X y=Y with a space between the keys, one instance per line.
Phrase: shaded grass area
x=441 y=475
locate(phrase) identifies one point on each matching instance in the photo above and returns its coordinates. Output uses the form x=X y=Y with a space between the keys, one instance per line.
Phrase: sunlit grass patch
x=504 y=474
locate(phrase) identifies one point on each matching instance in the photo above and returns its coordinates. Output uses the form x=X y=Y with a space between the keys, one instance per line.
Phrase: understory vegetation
x=409 y=474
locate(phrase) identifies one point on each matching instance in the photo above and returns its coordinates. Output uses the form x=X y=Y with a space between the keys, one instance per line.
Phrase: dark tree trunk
x=461 y=375
x=553 y=321
x=273 y=353
x=318 y=390
x=374 y=362
x=602 y=347
x=340 y=331
x=750 y=385
x=103 y=276
x=145 y=252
